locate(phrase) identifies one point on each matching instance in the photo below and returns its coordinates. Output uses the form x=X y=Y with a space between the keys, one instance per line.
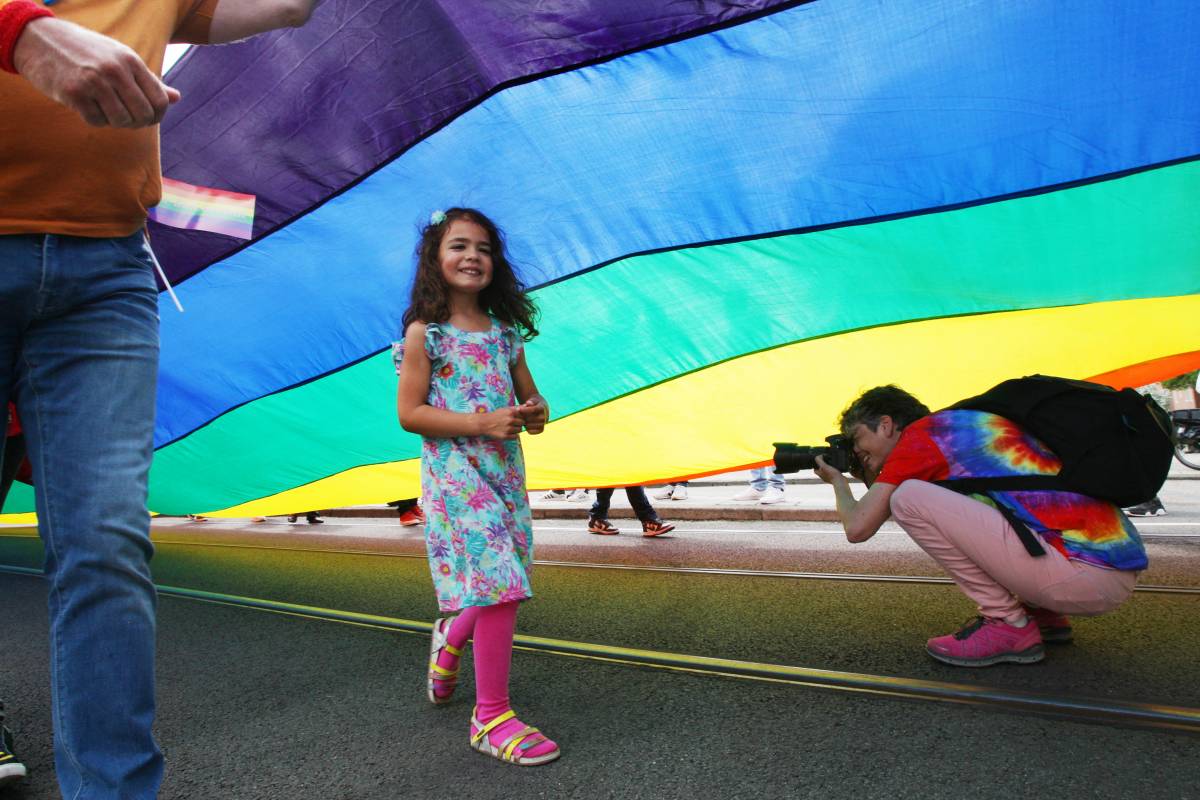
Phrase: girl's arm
x=534 y=409
x=417 y=416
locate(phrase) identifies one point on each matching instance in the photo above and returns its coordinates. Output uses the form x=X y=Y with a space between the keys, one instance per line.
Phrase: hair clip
x=437 y=218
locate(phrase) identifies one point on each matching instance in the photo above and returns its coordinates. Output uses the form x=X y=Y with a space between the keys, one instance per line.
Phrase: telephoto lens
x=838 y=453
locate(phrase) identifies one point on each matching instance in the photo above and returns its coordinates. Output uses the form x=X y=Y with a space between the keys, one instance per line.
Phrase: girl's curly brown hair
x=504 y=298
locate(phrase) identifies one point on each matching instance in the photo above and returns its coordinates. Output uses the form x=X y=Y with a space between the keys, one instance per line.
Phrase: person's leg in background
x=598 y=517
x=85 y=390
x=11 y=768
x=760 y=483
x=409 y=512
x=12 y=451
x=773 y=488
x=14 y=288
x=651 y=524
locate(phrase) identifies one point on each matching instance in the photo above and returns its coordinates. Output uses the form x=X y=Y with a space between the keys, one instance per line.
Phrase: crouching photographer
x=1026 y=558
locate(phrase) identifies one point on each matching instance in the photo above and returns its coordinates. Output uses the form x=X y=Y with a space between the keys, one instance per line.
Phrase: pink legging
x=981 y=551
x=492 y=628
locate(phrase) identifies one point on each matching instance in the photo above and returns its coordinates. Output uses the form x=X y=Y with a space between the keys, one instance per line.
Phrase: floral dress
x=478 y=527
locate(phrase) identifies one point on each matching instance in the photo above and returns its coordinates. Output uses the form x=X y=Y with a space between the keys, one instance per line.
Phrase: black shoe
x=313 y=519
x=1151 y=508
x=11 y=770
x=291 y=517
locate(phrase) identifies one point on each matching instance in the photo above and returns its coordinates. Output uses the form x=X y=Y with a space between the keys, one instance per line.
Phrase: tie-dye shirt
x=975 y=444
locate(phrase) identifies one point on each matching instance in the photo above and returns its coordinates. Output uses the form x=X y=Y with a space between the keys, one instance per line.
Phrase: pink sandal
x=439 y=676
x=511 y=749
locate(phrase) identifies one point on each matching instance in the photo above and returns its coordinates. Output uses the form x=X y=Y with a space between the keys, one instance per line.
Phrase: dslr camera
x=839 y=454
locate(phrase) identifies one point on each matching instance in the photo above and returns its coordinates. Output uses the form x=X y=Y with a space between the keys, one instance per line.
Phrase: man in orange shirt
x=79 y=166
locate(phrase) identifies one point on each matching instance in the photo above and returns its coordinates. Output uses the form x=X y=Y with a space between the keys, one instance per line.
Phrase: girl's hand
x=535 y=412
x=828 y=473
x=503 y=423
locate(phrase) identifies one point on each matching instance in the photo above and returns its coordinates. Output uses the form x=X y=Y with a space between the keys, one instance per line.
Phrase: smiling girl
x=465 y=387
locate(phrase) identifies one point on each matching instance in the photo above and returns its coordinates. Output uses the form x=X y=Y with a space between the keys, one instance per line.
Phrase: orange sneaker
x=656 y=528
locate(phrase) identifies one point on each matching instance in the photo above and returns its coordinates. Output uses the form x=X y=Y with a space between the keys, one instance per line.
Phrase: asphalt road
x=256 y=704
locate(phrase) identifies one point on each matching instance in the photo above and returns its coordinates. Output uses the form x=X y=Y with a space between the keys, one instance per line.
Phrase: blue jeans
x=764 y=478
x=79 y=354
x=637 y=499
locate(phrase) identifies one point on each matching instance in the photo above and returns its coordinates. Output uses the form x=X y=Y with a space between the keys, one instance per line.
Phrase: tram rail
x=1105 y=711
x=739 y=572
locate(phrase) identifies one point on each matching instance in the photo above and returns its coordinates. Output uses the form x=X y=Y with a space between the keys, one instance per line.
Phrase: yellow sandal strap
x=511 y=743
x=439 y=669
x=452 y=650
x=485 y=729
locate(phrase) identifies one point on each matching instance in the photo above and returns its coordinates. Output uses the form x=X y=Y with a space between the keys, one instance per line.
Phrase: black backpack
x=1114 y=445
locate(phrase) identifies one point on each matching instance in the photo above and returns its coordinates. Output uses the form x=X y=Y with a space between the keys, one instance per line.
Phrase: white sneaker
x=748 y=495
x=664 y=493
x=772 y=496
x=553 y=495
x=680 y=493
x=578 y=496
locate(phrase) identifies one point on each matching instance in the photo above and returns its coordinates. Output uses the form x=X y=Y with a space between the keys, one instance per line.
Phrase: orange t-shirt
x=60 y=175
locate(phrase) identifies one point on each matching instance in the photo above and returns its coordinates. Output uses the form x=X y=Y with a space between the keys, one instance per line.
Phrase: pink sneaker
x=983 y=642
x=1055 y=627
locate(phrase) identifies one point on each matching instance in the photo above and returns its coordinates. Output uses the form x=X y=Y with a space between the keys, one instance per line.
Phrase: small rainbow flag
x=200 y=208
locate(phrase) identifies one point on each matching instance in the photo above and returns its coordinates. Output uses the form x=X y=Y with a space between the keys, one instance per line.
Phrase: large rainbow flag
x=736 y=216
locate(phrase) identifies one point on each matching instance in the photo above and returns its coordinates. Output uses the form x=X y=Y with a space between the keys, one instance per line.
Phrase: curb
x=747 y=514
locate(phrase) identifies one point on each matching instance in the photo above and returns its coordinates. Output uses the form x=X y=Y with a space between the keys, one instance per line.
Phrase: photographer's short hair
x=873 y=404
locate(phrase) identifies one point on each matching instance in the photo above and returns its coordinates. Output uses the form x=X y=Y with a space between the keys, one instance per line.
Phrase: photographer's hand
x=827 y=473
x=860 y=518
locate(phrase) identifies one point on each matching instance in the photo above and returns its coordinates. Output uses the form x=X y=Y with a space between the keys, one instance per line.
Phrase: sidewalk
x=806 y=500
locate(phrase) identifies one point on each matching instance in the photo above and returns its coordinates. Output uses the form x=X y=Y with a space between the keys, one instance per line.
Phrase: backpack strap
x=986 y=486
x=1007 y=483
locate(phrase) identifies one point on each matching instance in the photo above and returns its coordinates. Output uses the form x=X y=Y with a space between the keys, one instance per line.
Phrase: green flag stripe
x=648 y=319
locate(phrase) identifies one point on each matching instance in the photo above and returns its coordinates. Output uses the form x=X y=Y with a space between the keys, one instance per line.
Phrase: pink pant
x=976 y=545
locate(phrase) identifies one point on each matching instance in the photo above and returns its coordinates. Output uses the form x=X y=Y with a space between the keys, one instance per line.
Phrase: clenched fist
x=101 y=79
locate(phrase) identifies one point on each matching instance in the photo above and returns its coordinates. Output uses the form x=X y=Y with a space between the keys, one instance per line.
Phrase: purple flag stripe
x=399 y=83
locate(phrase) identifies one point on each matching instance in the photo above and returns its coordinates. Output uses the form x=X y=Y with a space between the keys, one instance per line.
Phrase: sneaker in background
x=656 y=527
x=554 y=494
x=748 y=495
x=1151 y=508
x=412 y=517
x=772 y=496
x=665 y=492
x=983 y=642
x=11 y=769
x=1054 y=627
x=578 y=496
x=680 y=492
